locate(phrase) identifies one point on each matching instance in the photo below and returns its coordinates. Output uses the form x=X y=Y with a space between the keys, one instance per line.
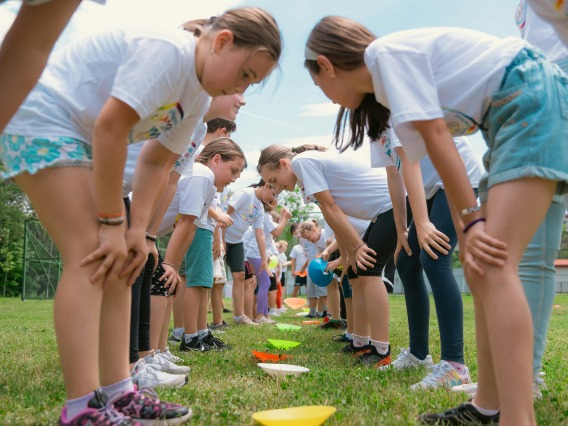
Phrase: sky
x=290 y=109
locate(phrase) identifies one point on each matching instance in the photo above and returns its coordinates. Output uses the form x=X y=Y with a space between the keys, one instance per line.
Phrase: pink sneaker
x=99 y=413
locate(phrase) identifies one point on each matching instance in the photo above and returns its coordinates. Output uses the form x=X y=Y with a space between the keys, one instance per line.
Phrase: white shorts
x=219 y=272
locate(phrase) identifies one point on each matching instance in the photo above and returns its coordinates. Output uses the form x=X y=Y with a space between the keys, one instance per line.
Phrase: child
x=517 y=98
x=246 y=209
x=343 y=187
x=282 y=246
x=313 y=241
x=298 y=264
x=49 y=157
x=219 y=164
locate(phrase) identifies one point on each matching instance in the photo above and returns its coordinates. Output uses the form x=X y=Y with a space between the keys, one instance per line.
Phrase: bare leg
x=333 y=300
x=158 y=307
x=238 y=293
x=204 y=301
x=163 y=341
x=376 y=298
x=349 y=310
x=249 y=286
x=272 y=299
x=192 y=299
x=217 y=303
x=179 y=301
x=360 y=317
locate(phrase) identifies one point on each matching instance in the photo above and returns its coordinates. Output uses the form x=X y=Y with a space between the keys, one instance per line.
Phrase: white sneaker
x=469 y=388
x=406 y=360
x=273 y=312
x=537 y=385
x=170 y=356
x=282 y=309
x=161 y=363
x=443 y=375
x=145 y=376
x=264 y=320
x=244 y=320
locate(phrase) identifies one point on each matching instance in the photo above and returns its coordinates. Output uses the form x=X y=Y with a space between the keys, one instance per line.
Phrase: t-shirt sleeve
x=311 y=173
x=237 y=200
x=193 y=198
x=258 y=222
x=382 y=150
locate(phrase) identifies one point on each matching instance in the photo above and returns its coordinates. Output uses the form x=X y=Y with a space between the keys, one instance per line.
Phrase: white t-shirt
x=248 y=210
x=194 y=195
x=151 y=71
x=539 y=32
x=357 y=189
x=555 y=13
x=184 y=165
x=252 y=247
x=299 y=255
x=382 y=152
x=430 y=73
x=283 y=259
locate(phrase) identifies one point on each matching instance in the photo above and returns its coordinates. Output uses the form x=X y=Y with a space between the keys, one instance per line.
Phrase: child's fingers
x=135 y=261
x=103 y=269
x=97 y=254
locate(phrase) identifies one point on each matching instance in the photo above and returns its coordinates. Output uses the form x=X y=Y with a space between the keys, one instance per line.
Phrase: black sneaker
x=221 y=326
x=194 y=345
x=174 y=339
x=341 y=338
x=465 y=414
x=227 y=311
x=372 y=358
x=334 y=324
x=312 y=316
x=213 y=342
x=98 y=412
x=350 y=349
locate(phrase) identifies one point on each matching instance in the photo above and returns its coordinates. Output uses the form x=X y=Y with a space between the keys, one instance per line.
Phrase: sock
x=460 y=368
x=382 y=347
x=203 y=332
x=349 y=336
x=75 y=406
x=484 y=411
x=118 y=388
x=312 y=311
x=178 y=332
x=359 y=341
x=187 y=337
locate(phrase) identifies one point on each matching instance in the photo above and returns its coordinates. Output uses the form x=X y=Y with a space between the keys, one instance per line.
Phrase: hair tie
x=310 y=55
x=294 y=150
x=212 y=20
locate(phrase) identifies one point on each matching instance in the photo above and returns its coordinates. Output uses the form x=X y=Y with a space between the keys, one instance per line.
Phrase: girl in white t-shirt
x=246 y=209
x=313 y=242
x=218 y=165
x=344 y=187
x=435 y=83
x=103 y=92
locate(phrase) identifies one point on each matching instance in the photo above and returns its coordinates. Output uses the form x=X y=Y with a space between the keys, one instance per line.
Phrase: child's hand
x=224 y=220
x=171 y=277
x=402 y=243
x=325 y=255
x=364 y=257
x=172 y=287
x=137 y=254
x=264 y=266
x=285 y=213
x=334 y=264
x=111 y=251
x=480 y=248
x=431 y=238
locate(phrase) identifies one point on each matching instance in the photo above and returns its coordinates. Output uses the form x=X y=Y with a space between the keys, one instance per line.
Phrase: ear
x=326 y=65
x=284 y=162
x=215 y=160
x=222 y=39
x=221 y=132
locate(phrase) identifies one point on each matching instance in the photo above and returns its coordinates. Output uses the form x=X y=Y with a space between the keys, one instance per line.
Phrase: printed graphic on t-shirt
x=162 y=120
x=187 y=155
x=251 y=214
x=385 y=142
x=308 y=198
x=458 y=123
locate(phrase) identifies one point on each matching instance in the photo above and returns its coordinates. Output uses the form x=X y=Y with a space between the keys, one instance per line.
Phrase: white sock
x=359 y=341
x=118 y=388
x=382 y=347
x=187 y=337
x=178 y=332
x=484 y=411
x=75 y=406
x=203 y=332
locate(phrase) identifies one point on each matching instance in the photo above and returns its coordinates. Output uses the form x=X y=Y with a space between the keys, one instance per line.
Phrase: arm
x=357 y=253
x=284 y=218
x=397 y=192
x=479 y=245
x=293 y=266
x=223 y=219
x=179 y=243
x=428 y=236
x=216 y=244
x=25 y=51
x=329 y=249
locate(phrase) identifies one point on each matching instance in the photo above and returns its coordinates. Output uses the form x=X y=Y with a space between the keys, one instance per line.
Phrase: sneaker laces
x=113 y=416
x=402 y=357
x=437 y=375
x=539 y=380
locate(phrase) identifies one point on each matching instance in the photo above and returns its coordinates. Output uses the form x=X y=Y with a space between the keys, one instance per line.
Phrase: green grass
x=226 y=388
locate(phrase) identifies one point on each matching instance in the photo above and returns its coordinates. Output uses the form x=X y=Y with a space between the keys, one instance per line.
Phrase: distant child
x=313 y=242
x=282 y=246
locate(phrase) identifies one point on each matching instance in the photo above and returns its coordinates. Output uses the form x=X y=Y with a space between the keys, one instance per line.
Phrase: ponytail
x=272 y=154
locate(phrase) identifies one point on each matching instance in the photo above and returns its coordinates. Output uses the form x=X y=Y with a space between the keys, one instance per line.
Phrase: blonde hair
x=252 y=27
x=282 y=243
x=225 y=147
x=272 y=154
x=343 y=41
x=308 y=225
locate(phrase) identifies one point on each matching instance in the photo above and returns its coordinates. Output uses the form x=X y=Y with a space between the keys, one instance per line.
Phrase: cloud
x=326 y=109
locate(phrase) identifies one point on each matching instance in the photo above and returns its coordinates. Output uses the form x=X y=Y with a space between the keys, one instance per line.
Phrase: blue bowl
x=318 y=274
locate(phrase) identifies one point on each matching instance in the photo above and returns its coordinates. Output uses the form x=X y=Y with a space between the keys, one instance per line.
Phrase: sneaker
x=214 y=342
x=264 y=320
x=406 y=360
x=538 y=384
x=372 y=358
x=283 y=309
x=341 y=338
x=99 y=412
x=161 y=363
x=222 y=326
x=333 y=324
x=465 y=414
x=227 y=311
x=174 y=339
x=194 y=345
x=312 y=316
x=145 y=376
x=443 y=375
x=244 y=320
x=145 y=406
x=273 y=312
x=170 y=356
x=350 y=349
x=469 y=388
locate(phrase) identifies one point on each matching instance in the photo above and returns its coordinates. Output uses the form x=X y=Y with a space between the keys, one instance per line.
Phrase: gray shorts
x=313 y=291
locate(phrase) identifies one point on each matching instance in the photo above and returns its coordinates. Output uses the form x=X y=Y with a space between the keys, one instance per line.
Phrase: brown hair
x=225 y=147
x=272 y=154
x=252 y=28
x=343 y=41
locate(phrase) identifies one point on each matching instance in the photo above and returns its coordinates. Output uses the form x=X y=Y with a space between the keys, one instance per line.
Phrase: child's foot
x=98 y=412
x=264 y=320
x=144 y=405
x=406 y=360
x=341 y=338
x=221 y=326
x=334 y=324
x=214 y=342
x=174 y=339
x=372 y=358
x=159 y=362
x=170 y=356
x=244 y=320
x=194 y=345
x=351 y=349
x=465 y=414
x=145 y=376
x=443 y=375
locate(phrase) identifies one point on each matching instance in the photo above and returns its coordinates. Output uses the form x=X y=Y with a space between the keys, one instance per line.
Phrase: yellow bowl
x=313 y=415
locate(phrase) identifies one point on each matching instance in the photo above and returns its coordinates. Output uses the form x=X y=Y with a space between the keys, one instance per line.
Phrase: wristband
x=169 y=264
x=111 y=220
x=359 y=246
x=473 y=222
x=151 y=237
x=110 y=215
x=471 y=210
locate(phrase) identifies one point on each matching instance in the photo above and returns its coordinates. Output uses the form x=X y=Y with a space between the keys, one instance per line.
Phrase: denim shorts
x=20 y=154
x=526 y=126
x=199 y=260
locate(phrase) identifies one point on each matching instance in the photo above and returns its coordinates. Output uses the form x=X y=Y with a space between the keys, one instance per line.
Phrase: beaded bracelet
x=471 y=210
x=473 y=222
x=151 y=237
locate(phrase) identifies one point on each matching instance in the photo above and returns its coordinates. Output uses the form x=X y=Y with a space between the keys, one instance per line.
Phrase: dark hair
x=225 y=147
x=272 y=154
x=220 y=123
x=260 y=183
x=343 y=41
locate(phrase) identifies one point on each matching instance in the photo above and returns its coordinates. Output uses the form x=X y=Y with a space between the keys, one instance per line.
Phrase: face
x=226 y=172
x=268 y=193
x=226 y=106
x=313 y=235
x=339 y=88
x=228 y=69
x=282 y=178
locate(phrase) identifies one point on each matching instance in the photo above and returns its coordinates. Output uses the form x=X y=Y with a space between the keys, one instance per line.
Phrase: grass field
x=226 y=388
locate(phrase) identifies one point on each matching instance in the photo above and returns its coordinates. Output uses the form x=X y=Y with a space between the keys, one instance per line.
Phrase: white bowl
x=282 y=369
x=302 y=314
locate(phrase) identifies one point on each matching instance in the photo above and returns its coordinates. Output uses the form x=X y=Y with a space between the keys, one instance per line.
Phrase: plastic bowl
x=314 y=415
x=288 y=327
x=295 y=302
x=268 y=357
x=318 y=274
x=282 y=369
x=283 y=344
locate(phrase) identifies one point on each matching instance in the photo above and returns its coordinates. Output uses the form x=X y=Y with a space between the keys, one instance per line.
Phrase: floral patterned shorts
x=21 y=154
